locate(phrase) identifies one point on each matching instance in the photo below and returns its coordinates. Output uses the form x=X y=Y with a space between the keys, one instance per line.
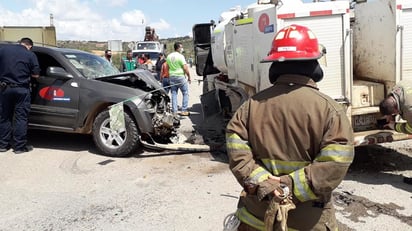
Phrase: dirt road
x=65 y=185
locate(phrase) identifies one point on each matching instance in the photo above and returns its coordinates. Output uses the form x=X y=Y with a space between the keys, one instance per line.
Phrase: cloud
x=118 y=30
x=112 y=3
x=29 y=17
x=162 y=25
x=79 y=20
x=133 y=18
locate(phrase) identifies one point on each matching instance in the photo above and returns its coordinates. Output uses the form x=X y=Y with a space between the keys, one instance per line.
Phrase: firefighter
x=399 y=102
x=290 y=145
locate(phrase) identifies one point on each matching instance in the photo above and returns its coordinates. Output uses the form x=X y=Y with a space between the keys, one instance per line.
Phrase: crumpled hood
x=138 y=74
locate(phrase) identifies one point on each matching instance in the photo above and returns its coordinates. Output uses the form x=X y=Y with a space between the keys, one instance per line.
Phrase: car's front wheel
x=115 y=143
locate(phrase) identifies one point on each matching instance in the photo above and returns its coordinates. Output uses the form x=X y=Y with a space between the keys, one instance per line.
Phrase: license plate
x=364 y=122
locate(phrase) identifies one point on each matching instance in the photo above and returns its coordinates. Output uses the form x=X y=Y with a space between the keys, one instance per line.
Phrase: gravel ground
x=65 y=185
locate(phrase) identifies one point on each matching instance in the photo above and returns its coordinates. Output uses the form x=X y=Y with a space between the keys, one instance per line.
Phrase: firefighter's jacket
x=402 y=92
x=293 y=131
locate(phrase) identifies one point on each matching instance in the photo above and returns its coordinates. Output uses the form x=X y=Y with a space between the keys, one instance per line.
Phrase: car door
x=55 y=98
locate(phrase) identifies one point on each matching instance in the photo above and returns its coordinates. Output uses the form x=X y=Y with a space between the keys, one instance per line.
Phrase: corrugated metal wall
x=330 y=33
x=39 y=35
x=406 y=21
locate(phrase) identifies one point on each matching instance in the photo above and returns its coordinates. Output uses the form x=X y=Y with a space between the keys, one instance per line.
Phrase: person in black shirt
x=159 y=64
x=17 y=65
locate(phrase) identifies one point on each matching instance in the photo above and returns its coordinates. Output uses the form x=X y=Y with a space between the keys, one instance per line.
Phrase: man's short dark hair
x=177 y=45
x=388 y=106
x=26 y=41
x=107 y=51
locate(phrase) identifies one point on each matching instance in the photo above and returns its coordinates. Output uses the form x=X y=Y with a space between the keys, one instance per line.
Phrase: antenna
x=51 y=20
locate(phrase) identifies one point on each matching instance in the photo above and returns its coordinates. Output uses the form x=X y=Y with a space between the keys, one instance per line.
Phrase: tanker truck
x=368 y=50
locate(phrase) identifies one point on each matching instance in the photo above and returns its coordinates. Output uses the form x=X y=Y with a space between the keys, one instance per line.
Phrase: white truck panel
x=299 y=9
x=330 y=22
x=247 y=43
x=243 y=54
x=219 y=46
x=330 y=31
x=406 y=40
x=375 y=41
x=264 y=30
x=230 y=52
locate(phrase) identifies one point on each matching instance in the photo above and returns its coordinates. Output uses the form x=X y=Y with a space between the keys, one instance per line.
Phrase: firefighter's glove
x=266 y=189
x=282 y=215
x=276 y=215
x=390 y=125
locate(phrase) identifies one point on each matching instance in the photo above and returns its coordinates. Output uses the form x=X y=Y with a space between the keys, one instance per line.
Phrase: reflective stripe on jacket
x=402 y=92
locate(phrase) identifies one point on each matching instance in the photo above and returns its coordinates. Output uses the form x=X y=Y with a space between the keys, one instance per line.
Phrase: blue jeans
x=179 y=82
x=166 y=84
x=158 y=75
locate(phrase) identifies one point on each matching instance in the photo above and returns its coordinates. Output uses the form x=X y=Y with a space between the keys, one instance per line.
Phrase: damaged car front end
x=76 y=90
x=150 y=107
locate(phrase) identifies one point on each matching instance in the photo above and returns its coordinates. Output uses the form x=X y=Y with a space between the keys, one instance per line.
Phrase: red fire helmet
x=294 y=42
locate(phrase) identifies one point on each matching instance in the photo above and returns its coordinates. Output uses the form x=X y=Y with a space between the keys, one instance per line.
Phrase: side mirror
x=59 y=73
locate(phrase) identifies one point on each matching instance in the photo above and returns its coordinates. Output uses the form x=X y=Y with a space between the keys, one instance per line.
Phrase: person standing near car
x=164 y=77
x=178 y=68
x=17 y=65
x=148 y=64
x=108 y=55
x=160 y=60
x=128 y=64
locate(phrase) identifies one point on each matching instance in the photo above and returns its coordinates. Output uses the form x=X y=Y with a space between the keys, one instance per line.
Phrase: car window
x=91 y=66
x=45 y=61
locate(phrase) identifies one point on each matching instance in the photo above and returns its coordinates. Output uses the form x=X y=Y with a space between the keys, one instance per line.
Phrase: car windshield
x=148 y=46
x=91 y=66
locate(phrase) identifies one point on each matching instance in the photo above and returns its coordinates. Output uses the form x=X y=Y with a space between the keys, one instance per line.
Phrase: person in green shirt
x=178 y=69
x=128 y=64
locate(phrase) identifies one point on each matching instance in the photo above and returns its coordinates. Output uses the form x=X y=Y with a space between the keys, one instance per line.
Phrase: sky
x=102 y=20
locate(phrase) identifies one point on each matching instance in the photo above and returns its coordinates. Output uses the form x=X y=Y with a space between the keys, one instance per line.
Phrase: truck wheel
x=112 y=143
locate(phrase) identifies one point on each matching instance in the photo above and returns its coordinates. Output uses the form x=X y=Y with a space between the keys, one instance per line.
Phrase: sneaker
x=184 y=113
x=27 y=148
